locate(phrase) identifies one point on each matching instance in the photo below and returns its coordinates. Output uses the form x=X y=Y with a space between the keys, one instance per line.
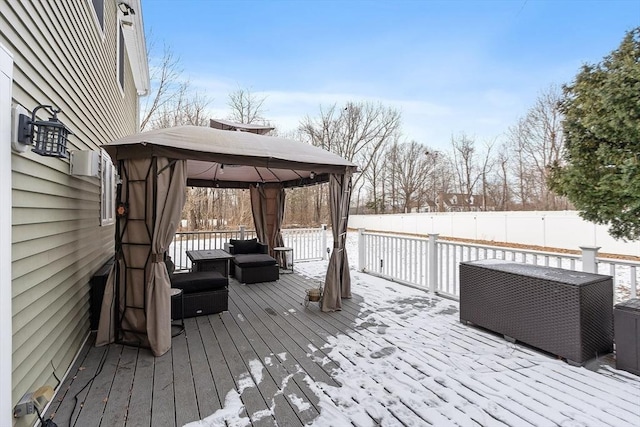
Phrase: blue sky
x=448 y=66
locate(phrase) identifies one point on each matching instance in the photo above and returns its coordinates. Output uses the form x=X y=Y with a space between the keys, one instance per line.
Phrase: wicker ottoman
x=256 y=268
x=205 y=292
x=566 y=313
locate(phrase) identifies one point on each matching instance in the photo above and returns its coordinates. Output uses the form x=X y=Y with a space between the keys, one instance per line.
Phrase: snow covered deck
x=393 y=356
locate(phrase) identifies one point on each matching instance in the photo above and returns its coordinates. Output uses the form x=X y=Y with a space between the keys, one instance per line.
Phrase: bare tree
x=356 y=132
x=413 y=165
x=464 y=157
x=501 y=197
x=172 y=101
x=246 y=107
x=184 y=108
x=376 y=175
x=536 y=141
x=485 y=169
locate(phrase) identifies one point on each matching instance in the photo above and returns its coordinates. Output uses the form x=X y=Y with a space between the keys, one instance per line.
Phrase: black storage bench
x=204 y=292
x=563 y=312
x=626 y=317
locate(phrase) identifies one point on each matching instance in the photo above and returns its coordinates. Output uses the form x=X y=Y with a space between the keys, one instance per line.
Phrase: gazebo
x=156 y=167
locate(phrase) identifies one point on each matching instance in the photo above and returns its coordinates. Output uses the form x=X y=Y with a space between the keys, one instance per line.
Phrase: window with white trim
x=98 y=8
x=121 y=48
x=108 y=189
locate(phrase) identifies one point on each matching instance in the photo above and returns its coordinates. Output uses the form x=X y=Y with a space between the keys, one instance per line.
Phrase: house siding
x=62 y=58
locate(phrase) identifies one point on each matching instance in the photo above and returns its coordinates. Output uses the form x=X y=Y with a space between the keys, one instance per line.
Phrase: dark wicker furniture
x=208 y=260
x=204 y=292
x=251 y=262
x=626 y=317
x=566 y=313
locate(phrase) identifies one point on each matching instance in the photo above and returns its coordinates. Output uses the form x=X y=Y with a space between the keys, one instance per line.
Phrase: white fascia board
x=6 y=330
x=133 y=32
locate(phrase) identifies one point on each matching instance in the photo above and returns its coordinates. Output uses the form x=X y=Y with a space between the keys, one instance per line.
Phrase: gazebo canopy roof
x=232 y=159
x=245 y=127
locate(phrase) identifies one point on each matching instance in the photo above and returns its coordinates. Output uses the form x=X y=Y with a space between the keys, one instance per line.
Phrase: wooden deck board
x=92 y=410
x=183 y=380
x=265 y=383
x=222 y=378
x=276 y=380
x=163 y=408
x=277 y=360
x=115 y=411
x=207 y=395
x=254 y=402
x=139 y=412
x=285 y=371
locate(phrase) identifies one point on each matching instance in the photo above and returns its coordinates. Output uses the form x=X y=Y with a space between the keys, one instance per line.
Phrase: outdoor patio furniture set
x=205 y=289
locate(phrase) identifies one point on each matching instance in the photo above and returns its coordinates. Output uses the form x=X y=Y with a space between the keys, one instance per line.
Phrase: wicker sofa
x=252 y=262
x=204 y=292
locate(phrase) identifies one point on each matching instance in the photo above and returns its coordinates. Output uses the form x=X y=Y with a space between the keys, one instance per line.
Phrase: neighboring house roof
x=245 y=127
x=461 y=200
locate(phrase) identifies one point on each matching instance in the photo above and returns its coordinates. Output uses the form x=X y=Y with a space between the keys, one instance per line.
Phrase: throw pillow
x=244 y=246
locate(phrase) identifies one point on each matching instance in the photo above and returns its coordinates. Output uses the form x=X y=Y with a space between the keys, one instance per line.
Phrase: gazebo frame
x=157 y=166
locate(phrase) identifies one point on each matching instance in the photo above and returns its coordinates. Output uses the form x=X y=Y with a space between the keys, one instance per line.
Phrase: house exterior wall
x=61 y=57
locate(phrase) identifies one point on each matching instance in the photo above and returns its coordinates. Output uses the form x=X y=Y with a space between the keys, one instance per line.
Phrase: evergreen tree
x=599 y=171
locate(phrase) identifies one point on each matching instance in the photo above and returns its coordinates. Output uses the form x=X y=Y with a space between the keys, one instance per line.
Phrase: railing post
x=432 y=263
x=361 y=250
x=323 y=238
x=589 y=255
x=242 y=230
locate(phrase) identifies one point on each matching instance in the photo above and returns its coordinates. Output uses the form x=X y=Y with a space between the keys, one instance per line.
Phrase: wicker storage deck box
x=627 y=334
x=566 y=313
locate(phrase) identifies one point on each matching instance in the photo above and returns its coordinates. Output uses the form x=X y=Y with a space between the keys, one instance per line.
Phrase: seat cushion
x=253 y=260
x=245 y=246
x=198 y=281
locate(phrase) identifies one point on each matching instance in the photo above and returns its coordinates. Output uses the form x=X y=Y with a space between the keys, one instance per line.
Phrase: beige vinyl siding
x=61 y=57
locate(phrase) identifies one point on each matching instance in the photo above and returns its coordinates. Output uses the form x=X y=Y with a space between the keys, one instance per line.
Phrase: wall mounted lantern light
x=49 y=137
x=126 y=9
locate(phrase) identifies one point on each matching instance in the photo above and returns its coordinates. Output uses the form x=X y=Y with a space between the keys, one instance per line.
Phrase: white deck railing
x=428 y=263
x=432 y=264
x=307 y=243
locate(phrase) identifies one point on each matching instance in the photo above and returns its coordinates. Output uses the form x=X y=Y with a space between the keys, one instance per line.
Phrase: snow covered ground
x=411 y=362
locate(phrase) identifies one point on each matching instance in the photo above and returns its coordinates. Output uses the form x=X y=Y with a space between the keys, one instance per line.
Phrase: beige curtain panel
x=143 y=315
x=338 y=280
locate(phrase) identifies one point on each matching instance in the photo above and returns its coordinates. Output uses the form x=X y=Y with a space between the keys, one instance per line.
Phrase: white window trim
x=108 y=180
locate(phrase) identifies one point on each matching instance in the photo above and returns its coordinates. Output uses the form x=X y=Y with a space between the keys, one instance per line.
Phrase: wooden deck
x=270 y=361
